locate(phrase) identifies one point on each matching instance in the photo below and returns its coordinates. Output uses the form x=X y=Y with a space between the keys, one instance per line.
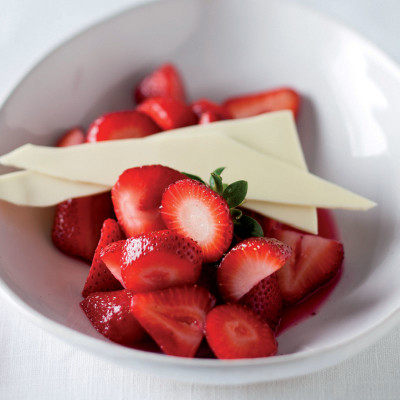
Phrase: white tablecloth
x=34 y=365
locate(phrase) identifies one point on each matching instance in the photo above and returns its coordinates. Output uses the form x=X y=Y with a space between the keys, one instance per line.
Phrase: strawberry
x=248 y=263
x=207 y=111
x=234 y=331
x=156 y=260
x=72 y=137
x=265 y=299
x=100 y=279
x=174 y=317
x=137 y=197
x=163 y=82
x=110 y=313
x=168 y=113
x=194 y=210
x=258 y=103
x=315 y=260
x=77 y=224
x=121 y=125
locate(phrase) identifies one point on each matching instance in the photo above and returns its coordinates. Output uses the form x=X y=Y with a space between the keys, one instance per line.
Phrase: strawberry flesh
x=265 y=300
x=234 y=331
x=196 y=211
x=165 y=81
x=110 y=313
x=315 y=261
x=168 y=113
x=100 y=279
x=72 y=137
x=156 y=260
x=248 y=263
x=258 y=103
x=137 y=197
x=174 y=317
x=207 y=111
x=121 y=125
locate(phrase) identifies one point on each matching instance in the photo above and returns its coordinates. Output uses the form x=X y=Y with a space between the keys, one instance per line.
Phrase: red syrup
x=309 y=307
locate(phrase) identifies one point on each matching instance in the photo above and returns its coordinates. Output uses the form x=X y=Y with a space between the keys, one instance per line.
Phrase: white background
x=34 y=365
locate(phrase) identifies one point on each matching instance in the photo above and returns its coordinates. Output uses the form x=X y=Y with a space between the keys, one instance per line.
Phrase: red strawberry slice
x=265 y=300
x=163 y=82
x=208 y=117
x=156 y=260
x=194 y=210
x=203 y=107
x=77 y=224
x=258 y=103
x=174 y=317
x=248 y=263
x=137 y=197
x=168 y=113
x=234 y=331
x=110 y=313
x=314 y=262
x=111 y=255
x=71 y=138
x=121 y=125
x=100 y=279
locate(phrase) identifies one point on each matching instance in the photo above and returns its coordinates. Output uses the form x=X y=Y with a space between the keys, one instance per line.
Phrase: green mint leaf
x=216 y=183
x=224 y=186
x=236 y=213
x=235 y=193
x=195 y=177
x=246 y=227
x=219 y=170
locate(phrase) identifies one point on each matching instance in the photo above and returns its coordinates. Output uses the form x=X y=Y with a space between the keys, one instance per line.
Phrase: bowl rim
x=89 y=343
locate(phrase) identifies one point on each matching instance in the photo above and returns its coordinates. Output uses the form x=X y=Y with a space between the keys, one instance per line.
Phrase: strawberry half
x=233 y=331
x=121 y=125
x=156 y=260
x=196 y=211
x=315 y=260
x=100 y=279
x=207 y=111
x=71 y=138
x=110 y=313
x=165 y=81
x=174 y=317
x=77 y=224
x=137 y=197
x=168 y=113
x=258 y=103
x=248 y=263
x=265 y=300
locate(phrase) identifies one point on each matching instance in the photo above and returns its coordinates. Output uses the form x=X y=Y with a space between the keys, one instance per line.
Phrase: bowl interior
x=347 y=127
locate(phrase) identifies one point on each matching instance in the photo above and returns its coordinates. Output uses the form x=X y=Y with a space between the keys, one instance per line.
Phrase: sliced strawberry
x=258 y=103
x=100 y=279
x=165 y=81
x=234 y=331
x=110 y=313
x=121 y=125
x=174 y=317
x=208 y=117
x=137 y=197
x=315 y=260
x=77 y=224
x=208 y=278
x=111 y=255
x=265 y=299
x=71 y=138
x=156 y=260
x=168 y=113
x=194 y=210
x=248 y=263
x=206 y=110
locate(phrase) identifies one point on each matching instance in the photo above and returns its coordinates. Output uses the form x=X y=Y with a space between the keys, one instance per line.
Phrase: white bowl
x=349 y=130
